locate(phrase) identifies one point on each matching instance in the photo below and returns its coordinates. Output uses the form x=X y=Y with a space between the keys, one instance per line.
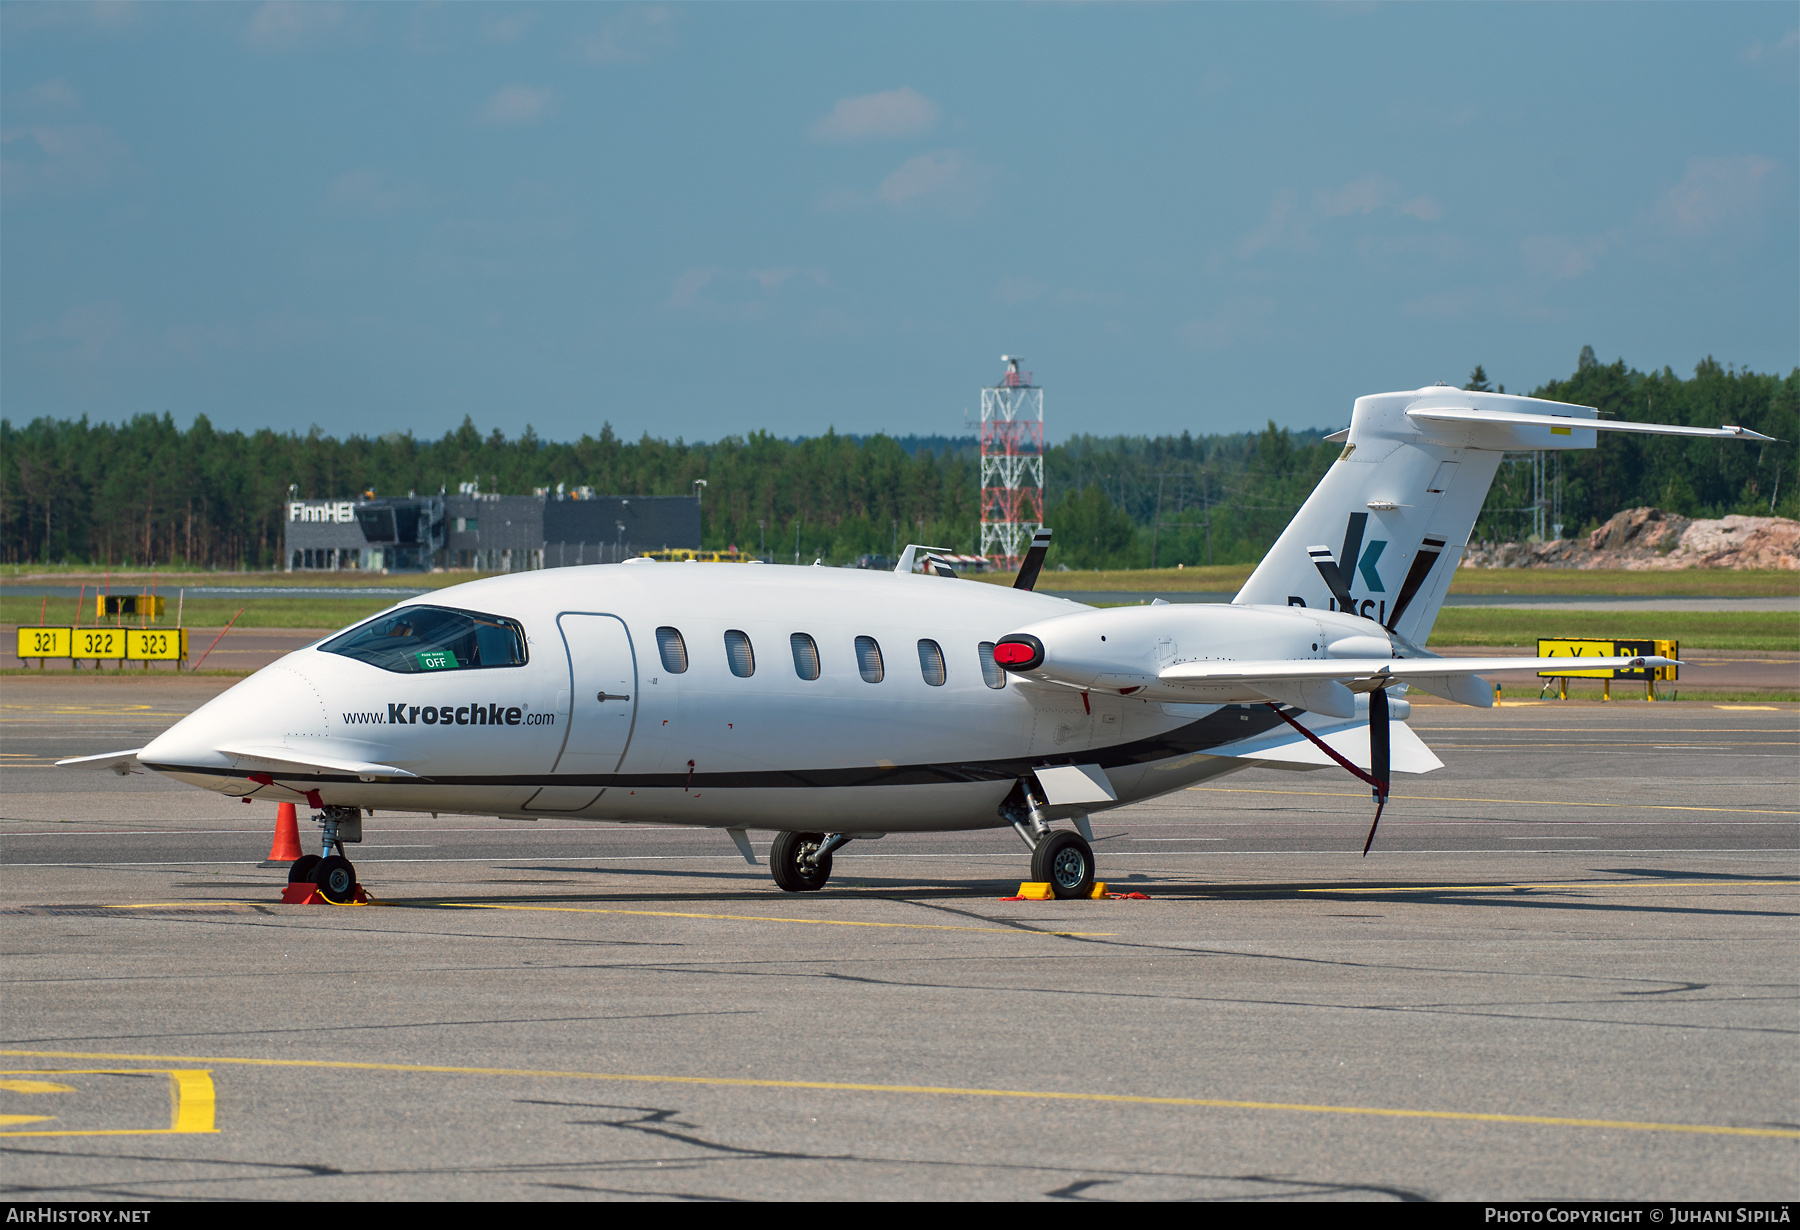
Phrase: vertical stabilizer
x=1383 y=532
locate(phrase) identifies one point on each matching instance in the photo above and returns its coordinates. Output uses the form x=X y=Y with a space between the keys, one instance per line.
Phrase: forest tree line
x=146 y=492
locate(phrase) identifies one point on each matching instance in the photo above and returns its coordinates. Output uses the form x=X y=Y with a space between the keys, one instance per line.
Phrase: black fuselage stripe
x=1226 y=725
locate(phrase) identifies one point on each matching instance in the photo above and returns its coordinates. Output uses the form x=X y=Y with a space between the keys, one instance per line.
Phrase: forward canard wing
x=121 y=763
x=310 y=761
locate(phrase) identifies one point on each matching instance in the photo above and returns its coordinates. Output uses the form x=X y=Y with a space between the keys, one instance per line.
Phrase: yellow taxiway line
x=577 y=909
x=191 y=1098
x=817 y=922
x=1490 y=888
x=1626 y=1125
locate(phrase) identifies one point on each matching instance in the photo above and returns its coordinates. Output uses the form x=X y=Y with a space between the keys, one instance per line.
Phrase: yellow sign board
x=46 y=642
x=1579 y=647
x=155 y=644
x=1575 y=648
x=128 y=604
x=99 y=643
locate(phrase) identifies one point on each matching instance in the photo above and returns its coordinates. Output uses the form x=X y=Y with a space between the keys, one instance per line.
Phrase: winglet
x=1034 y=559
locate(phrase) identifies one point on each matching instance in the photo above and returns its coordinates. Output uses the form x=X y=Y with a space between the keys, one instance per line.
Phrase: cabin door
x=602 y=693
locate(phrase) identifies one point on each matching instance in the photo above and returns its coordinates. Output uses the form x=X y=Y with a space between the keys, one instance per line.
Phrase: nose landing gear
x=332 y=876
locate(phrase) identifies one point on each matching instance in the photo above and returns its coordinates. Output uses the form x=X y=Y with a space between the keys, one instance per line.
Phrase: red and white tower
x=1012 y=465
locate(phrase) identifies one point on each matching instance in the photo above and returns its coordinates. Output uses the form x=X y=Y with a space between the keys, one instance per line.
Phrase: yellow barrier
x=1576 y=648
x=676 y=555
x=107 y=605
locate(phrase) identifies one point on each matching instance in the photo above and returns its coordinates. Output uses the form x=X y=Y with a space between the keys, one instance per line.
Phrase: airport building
x=485 y=533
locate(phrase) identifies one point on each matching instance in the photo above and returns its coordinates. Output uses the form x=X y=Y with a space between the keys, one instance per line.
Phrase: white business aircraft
x=832 y=705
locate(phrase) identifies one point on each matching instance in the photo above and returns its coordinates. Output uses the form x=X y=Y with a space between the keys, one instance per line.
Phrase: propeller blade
x=1380 y=757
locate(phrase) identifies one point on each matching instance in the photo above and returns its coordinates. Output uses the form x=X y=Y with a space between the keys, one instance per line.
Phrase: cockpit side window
x=416 y=639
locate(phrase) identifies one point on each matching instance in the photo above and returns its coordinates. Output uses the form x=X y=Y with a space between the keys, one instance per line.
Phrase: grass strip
x=1550 y=582
x=1763 y=630
x=310 y=612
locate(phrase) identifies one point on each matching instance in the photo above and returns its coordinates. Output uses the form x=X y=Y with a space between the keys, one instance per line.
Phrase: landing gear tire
x=300 y=871
x=792 y=859
x=1066 y=863
x=336 y=878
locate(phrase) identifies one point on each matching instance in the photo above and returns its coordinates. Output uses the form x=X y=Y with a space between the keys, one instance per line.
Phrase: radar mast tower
x=1012 y=465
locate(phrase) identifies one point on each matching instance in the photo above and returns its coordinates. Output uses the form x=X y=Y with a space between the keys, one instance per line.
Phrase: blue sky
x=701 y=220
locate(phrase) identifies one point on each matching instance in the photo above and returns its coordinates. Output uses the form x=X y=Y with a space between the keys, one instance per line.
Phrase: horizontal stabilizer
x=315 y=762
x=1383 y=668
x=1563 y=425
x=119 y=762
x=1285 y=745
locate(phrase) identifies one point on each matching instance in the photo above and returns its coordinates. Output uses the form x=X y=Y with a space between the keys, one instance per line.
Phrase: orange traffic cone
x=286 y=846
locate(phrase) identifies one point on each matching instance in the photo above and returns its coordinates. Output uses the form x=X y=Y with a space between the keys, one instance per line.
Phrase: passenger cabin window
x=432 y=638
x=739 y=654
x=991 y=674
x=673 y=650
x=806 y=655
x=931 y=663
x=868 y=659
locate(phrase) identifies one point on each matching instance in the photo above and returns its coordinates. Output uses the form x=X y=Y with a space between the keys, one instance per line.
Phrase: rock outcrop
x=1648 y=538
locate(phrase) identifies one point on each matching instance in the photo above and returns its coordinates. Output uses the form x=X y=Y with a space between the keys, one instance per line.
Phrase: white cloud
x=1424 y=208
x=1783 y=47
x=1715 y=192
x=515 y=104
x=1282 y=226
x=711 y=290
x=291 y=25
x=372 y=192
x=56 y=93
x=510 y=28
x=1360 y=196
x=1290 y=227
x=80 y=334
x=51 y=159
x=1020 y=290
x=1558 y=257
x=893 y=113
x=635 y=35
x=942 y=180
x=1239 y=320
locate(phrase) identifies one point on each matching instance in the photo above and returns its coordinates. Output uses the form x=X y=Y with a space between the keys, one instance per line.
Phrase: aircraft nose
x=278 y=703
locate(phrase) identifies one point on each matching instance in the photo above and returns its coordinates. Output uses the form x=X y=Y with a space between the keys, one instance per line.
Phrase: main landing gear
x=333 y=874
x=1059 y=858
x=801 y=862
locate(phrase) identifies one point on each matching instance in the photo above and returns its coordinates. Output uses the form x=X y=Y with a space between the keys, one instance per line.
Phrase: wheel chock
x=1032 y=891
x=306 y=893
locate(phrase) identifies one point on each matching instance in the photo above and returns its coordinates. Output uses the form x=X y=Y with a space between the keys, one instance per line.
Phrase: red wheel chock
x=306 y=893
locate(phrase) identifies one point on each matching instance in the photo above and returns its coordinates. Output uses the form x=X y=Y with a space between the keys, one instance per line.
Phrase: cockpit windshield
x=432 y=638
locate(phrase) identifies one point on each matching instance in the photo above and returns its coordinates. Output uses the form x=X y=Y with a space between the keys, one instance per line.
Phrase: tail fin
x=1403 y=497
